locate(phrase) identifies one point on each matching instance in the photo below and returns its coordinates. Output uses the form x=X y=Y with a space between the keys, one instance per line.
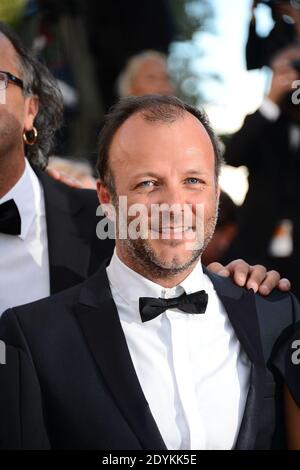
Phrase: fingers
x=70 y=181
x=257 y=277
x=284 y=285
x=265 y=284
x=53 y=173
x=219 y=269
x=64 y=178
x=239 y=271
x=252 y=277
x=270 y=282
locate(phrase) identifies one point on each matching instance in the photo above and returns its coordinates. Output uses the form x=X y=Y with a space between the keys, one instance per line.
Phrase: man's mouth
x=175 y=229
x=172 y=230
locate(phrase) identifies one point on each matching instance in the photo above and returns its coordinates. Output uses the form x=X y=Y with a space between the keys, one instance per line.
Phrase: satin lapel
x=69 y=251
x=243 y=317
x=241 y=310
x=99 y=320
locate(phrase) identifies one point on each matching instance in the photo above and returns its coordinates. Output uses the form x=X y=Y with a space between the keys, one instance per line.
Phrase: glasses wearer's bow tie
x=10 y=220
x=151 y=307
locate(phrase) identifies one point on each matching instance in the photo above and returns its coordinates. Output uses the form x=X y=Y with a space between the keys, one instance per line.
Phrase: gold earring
x=34 y=137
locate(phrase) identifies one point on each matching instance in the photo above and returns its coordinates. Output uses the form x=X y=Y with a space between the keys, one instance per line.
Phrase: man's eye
x=193 y=181
x=146 y=184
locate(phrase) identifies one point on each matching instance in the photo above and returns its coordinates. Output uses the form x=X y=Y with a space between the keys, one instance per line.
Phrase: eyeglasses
x=6 y=77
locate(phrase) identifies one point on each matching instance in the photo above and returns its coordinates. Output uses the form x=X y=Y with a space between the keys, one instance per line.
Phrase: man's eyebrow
x=193 y=171
x=151 y=174
x=145 y=174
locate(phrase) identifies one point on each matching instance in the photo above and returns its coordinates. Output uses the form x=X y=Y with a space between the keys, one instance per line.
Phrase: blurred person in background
x=145 y=73
x=268 y=143
x=285 y=32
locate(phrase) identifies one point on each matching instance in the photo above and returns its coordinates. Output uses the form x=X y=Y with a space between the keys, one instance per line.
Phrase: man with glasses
x=47 y=230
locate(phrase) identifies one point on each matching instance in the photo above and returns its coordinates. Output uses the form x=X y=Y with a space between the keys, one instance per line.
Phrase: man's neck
x=11 y=169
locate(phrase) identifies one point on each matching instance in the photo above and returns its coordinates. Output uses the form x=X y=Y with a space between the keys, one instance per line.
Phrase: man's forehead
x=143 y=120
x=138 y=138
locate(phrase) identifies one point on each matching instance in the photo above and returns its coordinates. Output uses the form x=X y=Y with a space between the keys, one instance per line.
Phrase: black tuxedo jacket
x=75 y=252
x=91 y=395
x=21 y=423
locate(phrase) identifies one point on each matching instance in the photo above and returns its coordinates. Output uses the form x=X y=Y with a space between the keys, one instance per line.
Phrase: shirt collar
x=130 y=285
x=26 y=193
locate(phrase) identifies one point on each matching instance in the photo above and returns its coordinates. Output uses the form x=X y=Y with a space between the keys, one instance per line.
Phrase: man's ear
x=105 y=201
x=31 y=110
x=103 y=193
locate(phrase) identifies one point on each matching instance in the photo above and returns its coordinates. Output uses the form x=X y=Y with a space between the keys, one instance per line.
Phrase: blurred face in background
x=152 y=77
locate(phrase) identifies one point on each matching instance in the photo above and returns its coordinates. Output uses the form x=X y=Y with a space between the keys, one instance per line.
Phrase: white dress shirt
x=192 y=369
x=24 y=263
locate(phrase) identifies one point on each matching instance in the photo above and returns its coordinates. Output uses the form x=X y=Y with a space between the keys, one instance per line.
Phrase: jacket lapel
x=99 y=320
x=68 y=247
x=241 y=310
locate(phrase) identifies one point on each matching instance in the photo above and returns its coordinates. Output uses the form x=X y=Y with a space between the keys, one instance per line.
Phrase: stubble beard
x=144 y=259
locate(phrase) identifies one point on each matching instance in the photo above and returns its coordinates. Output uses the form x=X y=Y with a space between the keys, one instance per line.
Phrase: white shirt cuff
x=269 y=110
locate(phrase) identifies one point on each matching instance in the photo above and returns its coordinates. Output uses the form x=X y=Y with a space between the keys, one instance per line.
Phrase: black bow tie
x=10 y=220
x=191 y=303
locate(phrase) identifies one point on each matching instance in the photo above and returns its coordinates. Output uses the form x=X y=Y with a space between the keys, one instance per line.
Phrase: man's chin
x=172 y=254
x=162 y=258
x=183 y=247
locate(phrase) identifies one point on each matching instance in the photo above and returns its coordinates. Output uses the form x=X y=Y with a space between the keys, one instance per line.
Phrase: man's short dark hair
x=154 y=108
x=38 y=81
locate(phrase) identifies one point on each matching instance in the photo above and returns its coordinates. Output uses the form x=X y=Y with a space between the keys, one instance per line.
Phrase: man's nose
x=173 y=194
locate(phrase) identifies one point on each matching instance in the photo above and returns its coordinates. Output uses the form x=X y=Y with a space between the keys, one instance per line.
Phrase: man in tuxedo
x=153 y=345
x=48 y=236
x=47 y=229
x=268 y=143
